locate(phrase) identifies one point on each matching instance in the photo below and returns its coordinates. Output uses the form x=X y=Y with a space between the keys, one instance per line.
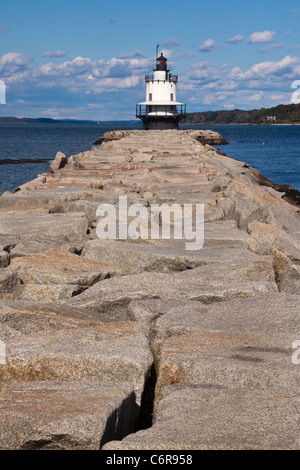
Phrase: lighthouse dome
x=161 y=63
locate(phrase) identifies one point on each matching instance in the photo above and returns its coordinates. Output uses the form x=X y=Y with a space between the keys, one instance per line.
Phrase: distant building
x=160 y=110
x=271 y=118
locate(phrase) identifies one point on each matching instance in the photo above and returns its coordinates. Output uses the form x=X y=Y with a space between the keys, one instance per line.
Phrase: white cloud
x=279 y=98
x=207 y=46
x=115 y=85
x=54 y=54
x=262 y=37
x=13 y=62
x=263 y=84
x=171 y=43
x=168 y=53
x=265 y=50
x=206 y=72
x=136 y=53
x=184 y=54
x=288 y=66
x=81 y=75
x=256 y=97
x=235 y=40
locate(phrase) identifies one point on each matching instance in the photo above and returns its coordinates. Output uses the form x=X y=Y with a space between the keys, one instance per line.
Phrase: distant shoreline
x=239 y=124
x=15 y=120
x=281 y=115
x=53 y=121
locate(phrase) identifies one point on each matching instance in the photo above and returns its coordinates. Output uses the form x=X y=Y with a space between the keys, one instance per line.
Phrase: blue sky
x=87 y=59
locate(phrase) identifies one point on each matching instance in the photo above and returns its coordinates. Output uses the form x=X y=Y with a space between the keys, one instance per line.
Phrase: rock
x=59 y=162
x=111 y=136
x=28 y=247
x=148 y=195
x=289 y=280
x=270 y=237
x=146 y=312
x=200 y=418
x=44 y=227
x=133 y=258
x=206 y=284
x=107 y=352
x=4 y=259
x=208 y=137
x=42 y=292
x=60 y=267
x=65 y=416
x=171 y=255
x=80 y=206
x=85 y=321
x=281 y=218
x=8 y=281
x=27 y=318
x=39 y=199
x=271 y=313
x=233 y=361
x=286 y=218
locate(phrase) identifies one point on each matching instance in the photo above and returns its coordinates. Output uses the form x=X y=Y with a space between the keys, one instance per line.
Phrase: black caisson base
x=156 y=123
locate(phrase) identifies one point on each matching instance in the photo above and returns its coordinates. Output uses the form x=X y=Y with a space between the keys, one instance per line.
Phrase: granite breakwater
x=141 y=344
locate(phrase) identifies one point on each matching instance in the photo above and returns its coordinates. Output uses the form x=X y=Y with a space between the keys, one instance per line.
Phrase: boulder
x=56 y=266
x=8 y=281
x=43 y=227
x=59 y=162
x=208 y=418
x=42 y=292
x=65 y=416
x=27 y=318
x=86 y=321
x=229 y=360
x=206 y=284
x=289 y=280
x=106 y=352
x=271 y=313
x=4 y=259
x=223 y=243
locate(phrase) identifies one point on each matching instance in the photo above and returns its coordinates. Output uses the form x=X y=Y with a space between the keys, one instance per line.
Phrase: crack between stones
x=144 y=419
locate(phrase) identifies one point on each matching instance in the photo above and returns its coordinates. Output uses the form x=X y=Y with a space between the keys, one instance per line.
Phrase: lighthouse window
x=171 y=97
x=150 y=96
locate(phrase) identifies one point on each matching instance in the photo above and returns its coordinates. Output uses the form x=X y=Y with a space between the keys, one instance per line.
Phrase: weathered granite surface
x=84 y=320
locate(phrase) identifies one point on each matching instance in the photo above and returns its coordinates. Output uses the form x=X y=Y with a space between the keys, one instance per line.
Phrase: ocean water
x=273 y=150
x=38 y=144
x=27 y=149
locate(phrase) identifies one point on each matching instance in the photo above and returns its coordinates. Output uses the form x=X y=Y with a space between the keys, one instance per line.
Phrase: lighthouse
x=160 y=110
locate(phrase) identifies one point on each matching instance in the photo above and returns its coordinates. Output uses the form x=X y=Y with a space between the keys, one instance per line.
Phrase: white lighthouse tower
x=160 y=110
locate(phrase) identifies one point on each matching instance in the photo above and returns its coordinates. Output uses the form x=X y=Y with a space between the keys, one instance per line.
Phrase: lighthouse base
x=156 y=123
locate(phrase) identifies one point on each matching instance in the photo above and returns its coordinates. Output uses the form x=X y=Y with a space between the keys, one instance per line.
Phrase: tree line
x=284 y=114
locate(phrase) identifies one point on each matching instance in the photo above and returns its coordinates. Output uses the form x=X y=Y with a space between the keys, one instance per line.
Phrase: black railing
x=170 y=78
x=173 y=78
x=143 y=111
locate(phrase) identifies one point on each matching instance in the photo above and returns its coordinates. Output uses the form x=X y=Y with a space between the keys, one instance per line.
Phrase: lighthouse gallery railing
x=143 y=111
x=171 y=78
